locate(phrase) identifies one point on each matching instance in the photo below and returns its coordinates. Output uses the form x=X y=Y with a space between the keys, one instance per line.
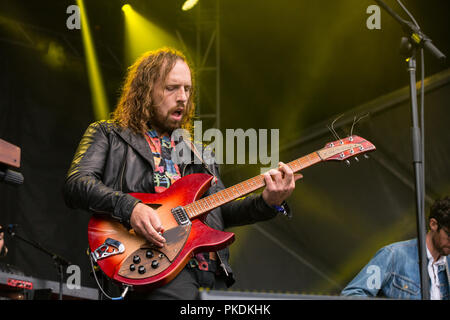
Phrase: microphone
x=415 y=34
x=11 y=177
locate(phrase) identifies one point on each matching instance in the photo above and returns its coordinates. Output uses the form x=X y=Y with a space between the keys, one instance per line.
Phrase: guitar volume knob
x=141 y=270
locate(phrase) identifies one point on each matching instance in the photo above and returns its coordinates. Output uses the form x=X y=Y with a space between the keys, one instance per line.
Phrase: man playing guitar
x=131 y=153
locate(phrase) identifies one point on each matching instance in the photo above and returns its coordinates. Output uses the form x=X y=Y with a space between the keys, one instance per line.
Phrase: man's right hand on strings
x=145 y=222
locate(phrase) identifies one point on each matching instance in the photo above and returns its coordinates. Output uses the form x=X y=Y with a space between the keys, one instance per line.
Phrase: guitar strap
x=199 y=156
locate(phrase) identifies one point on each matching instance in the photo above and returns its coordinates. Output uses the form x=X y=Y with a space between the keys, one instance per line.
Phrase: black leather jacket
x=111 y=162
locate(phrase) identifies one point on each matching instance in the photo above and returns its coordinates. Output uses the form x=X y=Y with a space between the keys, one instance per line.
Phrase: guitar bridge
x=180 y=216
x=109 y=248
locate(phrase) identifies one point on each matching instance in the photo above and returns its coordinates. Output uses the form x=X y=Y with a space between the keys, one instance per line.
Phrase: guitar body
x=130 y=259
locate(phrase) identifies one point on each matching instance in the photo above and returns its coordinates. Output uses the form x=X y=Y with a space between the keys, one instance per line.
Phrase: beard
x=164 y=122
x=439 y=245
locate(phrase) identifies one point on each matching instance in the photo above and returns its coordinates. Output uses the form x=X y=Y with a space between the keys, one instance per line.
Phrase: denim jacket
x=393 y=273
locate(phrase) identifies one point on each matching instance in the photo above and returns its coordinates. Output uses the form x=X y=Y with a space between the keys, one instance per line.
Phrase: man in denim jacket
x=394 y=270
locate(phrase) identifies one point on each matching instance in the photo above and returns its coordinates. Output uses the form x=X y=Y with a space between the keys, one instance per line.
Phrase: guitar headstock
x=345 y=148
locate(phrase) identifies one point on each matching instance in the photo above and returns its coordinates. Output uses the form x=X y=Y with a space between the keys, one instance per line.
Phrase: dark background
x=288 y=65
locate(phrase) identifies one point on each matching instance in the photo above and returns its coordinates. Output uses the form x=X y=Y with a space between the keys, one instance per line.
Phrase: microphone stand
x=59 y=261
x=417 y=39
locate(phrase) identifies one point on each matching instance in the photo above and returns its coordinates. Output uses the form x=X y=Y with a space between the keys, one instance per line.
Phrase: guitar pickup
x=181 y=216
x=109 y=248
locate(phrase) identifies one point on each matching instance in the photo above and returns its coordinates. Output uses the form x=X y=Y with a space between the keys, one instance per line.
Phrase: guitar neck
x=206 y=204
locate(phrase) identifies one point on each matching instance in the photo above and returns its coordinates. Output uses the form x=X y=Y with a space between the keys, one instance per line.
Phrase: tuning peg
x=356 y=158
x=366 y=156
x=347 y=162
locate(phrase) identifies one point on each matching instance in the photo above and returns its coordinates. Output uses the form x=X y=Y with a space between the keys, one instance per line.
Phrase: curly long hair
x=440 y=210
x=135 y=108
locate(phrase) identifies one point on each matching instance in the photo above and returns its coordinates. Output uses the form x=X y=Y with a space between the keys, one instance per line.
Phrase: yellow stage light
x=126 y=7
x=99 y=100
x=188 y=5
x=141 y=35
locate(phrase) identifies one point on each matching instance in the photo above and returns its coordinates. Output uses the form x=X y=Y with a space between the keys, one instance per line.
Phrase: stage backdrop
x=341 y=215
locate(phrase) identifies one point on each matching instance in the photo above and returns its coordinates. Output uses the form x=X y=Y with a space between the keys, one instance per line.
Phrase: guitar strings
x=356 y=121
x=332 y=127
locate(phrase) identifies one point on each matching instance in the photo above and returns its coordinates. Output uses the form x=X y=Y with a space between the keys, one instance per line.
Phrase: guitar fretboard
x=204 y=205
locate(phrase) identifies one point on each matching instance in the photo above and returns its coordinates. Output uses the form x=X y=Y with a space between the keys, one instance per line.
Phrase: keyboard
x=14 y=284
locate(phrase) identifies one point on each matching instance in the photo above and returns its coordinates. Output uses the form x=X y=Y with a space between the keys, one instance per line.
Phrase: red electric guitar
x=129 y=259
